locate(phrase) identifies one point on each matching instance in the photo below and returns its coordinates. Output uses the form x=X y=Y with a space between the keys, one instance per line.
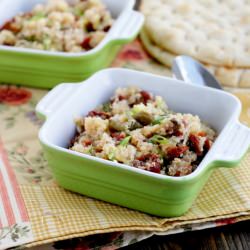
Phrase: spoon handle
x=187 y=69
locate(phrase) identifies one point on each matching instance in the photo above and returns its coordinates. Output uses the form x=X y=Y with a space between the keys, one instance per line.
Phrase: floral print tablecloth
x=30 y=167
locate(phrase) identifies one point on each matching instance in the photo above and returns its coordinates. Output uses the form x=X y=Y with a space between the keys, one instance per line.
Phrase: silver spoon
x=189 y=70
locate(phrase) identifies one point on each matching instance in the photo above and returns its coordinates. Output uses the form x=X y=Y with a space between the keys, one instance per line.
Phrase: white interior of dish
x=10 y=8
x=218 y=108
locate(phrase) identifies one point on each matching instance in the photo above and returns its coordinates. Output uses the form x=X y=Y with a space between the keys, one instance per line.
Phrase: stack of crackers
x=217 y=33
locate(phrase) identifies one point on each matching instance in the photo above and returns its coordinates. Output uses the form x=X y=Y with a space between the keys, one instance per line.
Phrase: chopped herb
x=46 y=43
x=106 y=107
x=134 y=125
x=158 y=120
x=160 y=103
x=158 y=139
x=78 y=12
x=111 y=155
x=125 y=141
x=31 y=38
x=135 y=110
x=37 y=16
x=90 y=150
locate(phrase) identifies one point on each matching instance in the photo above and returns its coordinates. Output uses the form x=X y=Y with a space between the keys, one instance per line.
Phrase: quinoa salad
x=138 y=129
x=59 y=26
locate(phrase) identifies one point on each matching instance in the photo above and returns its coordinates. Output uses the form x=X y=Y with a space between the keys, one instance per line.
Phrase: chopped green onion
x=158 y=139
x=160 y=103
x=134 y=125
x=78 y=12
x=135 y=110
x=106 y=107
x=158 y=120
x=31 y=38
x=46 y=43
x=125 y=141
x=90 y=150
x=37 y=16
x=111 y=155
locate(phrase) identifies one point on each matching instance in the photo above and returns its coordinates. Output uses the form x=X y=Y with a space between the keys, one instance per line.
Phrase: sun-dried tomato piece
x=100 y=114
x=86 y=43
x=142 y=158
x=178 y=133
x=150 y=162
x=87 y=142
x=176 y=152
x=9 y=26
x=207 y=145
x=147 y=157
x=118 y=136
x=121 y=97
x=6 y=26
x=155 y=169
x=98 y=150
x=173 y=128
x=178 y=173
x=194 y=143
x=202 y=134
x=145 y=96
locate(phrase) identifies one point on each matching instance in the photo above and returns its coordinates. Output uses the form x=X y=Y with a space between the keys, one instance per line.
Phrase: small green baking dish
x=45 y=69
x=125 y=185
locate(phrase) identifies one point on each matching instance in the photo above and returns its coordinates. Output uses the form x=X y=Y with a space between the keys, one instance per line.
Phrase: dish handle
x=55 y=99
x=235 y=145
x=126 y=27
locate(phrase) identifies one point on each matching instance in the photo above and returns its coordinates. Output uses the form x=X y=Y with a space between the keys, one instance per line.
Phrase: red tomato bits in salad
x=59 y=25
x=138 y=129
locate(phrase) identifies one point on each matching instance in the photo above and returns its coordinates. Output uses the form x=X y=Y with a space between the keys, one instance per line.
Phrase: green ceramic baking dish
x=45 y=69
x=128 y=186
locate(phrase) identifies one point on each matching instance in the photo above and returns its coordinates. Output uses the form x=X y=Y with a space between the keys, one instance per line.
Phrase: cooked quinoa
x=59 y=26
x=138 y=129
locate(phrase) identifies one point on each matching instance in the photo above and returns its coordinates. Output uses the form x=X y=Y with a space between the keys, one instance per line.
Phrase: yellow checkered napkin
x=59 y=214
